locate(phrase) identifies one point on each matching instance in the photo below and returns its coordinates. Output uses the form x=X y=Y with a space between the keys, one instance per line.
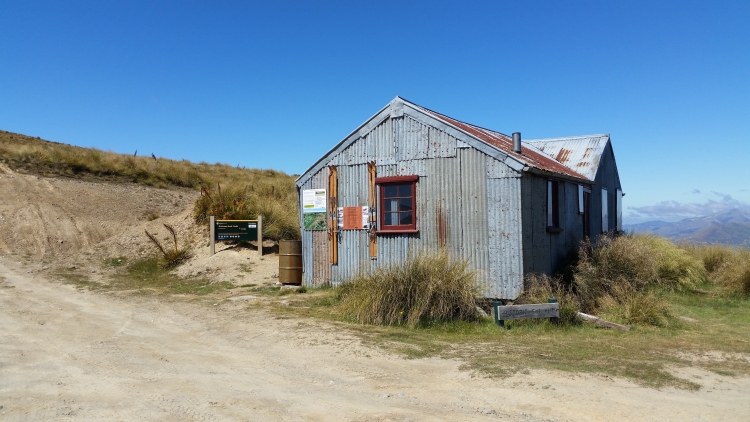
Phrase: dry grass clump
x=32 y=155
x=171 y=257
x=619 y=277
x=426 y=288
x=275 y=200
x=728 y=267
x=638 y=261
x=538 y=288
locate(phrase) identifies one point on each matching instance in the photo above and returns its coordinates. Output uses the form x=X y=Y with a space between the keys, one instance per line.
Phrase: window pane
x=404 y=204
x=405 y=218
x=391 y=205
x=391 y=219
x=404 y=190
x=390 y=191
x=605 y=212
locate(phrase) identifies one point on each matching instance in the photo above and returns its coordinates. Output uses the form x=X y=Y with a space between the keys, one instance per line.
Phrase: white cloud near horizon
x=672 y=209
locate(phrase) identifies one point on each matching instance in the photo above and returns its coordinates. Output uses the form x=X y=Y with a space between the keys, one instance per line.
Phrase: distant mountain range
x=730 y=227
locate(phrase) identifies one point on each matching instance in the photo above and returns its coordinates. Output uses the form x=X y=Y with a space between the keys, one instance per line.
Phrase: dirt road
x=71 y=355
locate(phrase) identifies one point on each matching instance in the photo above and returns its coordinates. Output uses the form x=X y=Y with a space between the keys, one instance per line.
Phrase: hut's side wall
x=543 y=251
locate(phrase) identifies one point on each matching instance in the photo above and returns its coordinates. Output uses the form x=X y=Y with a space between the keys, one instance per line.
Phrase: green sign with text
x=236 y=230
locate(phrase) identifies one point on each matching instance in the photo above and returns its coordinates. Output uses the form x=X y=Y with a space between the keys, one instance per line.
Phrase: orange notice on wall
x=352 y=218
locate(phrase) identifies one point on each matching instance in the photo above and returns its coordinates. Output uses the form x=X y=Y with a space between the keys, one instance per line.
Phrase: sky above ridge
x=277 y=84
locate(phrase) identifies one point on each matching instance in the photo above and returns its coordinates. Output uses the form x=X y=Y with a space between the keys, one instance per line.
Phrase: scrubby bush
x=426 y=288
x=171 y=257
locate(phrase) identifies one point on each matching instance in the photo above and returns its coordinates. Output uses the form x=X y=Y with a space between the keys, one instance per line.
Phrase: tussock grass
x=620 y=279
x=728 y=267
x=427 y=288
x=275 y=200
x=247 y=193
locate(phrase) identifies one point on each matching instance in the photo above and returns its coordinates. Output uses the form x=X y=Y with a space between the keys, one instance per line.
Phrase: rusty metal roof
x=579 y=153
x=530 y=155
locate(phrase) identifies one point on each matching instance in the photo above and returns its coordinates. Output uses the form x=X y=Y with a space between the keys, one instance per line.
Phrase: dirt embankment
x=47 y=218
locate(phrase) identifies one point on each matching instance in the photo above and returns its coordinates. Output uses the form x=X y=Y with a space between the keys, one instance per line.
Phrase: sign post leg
x=499 y=321
x=260 y=235
x=212 y=223
x=555 y=321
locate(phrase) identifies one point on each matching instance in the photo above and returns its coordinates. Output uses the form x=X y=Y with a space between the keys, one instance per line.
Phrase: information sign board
x=245 y=230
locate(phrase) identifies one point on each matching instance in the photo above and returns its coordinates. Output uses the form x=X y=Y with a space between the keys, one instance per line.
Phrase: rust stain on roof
x=563 y=155
x=503 y=142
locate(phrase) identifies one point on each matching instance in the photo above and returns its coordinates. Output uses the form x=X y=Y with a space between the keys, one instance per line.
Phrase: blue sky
x=277 y=84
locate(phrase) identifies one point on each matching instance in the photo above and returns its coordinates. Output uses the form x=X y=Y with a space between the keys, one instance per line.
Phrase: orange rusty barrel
x=290 y=261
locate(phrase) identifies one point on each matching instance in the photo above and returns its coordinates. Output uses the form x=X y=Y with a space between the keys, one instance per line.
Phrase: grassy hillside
x=228 y=192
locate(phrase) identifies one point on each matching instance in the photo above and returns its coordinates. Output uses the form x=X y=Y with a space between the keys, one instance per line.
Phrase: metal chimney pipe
x=517 y=142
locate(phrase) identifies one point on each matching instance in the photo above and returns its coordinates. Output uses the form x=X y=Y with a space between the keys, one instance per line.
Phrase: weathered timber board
x=542 y=310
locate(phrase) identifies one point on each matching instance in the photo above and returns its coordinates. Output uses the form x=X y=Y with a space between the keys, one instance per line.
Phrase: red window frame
x=382 y=183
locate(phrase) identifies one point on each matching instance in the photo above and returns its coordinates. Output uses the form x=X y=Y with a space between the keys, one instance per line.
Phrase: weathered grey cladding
x=416 y=141
x=353 y=244
x=395 y=141
x=497 y=170
x=307 y=240
x=321 y=260
x=473 y=180
x=438 y=208
x=536 y=246
x=315 y=262
x=377 y=145
x=545 y=252
x=504 y=238
x=607 y=177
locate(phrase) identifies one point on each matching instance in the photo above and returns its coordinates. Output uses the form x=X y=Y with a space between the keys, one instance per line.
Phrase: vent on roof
x=517 y=142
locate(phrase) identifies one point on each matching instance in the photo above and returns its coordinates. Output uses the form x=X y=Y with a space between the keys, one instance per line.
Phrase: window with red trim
x=398 y=204
x=553 y=206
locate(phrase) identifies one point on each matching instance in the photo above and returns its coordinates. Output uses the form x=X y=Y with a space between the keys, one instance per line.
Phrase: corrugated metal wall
x=504 y=237
x=467 y=202
x=545 y=252
x=354 y=253
x=474 y=241
x=607 y=178
x=316 y=268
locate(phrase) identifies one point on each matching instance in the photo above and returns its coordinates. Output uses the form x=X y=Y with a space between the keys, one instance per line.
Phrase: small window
x=398 y=205
x=553 y=206
x=619 y=210
x=605 y=212
x=581 y=208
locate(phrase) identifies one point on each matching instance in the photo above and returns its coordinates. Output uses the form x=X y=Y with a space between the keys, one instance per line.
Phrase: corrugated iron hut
x=410 y=179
